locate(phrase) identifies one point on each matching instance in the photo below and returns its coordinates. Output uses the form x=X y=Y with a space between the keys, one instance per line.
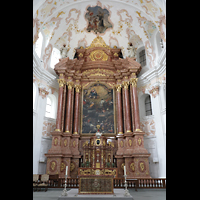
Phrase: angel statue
x=63 y=51
x=131 y=51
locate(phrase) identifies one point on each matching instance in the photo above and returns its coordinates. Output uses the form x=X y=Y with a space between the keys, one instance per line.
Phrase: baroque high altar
x=98 y=124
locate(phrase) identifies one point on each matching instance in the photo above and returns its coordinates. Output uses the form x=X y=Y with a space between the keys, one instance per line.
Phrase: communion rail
x=118 y=183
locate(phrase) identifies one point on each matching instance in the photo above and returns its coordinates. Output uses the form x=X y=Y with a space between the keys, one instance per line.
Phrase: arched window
x=142 y=58
x=148 y=108
x=48 y=107
x=55 y=57
x=51 y=106
x=38 y=45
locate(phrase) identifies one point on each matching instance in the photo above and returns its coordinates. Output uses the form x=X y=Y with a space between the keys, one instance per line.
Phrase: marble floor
x=141 y=194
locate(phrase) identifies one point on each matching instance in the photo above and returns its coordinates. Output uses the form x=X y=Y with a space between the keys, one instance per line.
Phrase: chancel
x=84 y=86
x=99 y=84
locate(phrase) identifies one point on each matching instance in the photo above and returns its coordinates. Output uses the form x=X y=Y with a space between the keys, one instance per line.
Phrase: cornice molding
x=49 y=119
x=155 y=72
x=43 y=74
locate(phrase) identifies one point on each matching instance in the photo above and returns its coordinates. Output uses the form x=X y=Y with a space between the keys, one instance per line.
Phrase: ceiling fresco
x=77 y=22
x=97 y=19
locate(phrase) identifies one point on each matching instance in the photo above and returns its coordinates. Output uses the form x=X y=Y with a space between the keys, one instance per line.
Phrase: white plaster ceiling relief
x=64 y=21
x=148 y=126
x=150 y=53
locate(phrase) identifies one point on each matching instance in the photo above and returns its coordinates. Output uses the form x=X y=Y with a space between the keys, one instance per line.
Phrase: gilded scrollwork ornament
x=125 y=84
x=98 y=55
x=65 y=142
x=132 y=166
x=61 y=82
x=133 y=82
x=78 y=87
x=70 y=85
x=118 y=87
x=139 y=141
x=130 y=142
x=72 y=166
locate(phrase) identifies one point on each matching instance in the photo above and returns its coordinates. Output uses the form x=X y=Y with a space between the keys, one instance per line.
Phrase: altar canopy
x=98 y=88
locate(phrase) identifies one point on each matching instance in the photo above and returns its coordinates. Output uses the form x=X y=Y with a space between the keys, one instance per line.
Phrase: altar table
x=95 y=184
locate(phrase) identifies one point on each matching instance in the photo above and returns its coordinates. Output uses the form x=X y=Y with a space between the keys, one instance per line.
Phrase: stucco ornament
x=131 y=51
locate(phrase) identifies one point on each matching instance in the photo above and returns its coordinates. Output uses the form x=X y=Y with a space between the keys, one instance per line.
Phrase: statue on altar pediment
x=63 y=51
x=98 y=134
x=131 y=51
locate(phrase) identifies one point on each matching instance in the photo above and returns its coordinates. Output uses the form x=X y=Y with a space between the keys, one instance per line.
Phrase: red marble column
x=135 y=104
x=127 y=107
x=119 y=109
x=68 y=108
x=60 y=103
x=76 y=109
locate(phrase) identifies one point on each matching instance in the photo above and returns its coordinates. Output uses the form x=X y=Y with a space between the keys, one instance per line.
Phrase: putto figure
x=63 y=51
x=131 y=51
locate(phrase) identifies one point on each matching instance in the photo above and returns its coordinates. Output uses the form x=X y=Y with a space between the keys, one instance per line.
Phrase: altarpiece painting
x=98 y=109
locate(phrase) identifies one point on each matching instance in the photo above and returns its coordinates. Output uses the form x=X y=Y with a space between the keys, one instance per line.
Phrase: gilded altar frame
x=114 y=108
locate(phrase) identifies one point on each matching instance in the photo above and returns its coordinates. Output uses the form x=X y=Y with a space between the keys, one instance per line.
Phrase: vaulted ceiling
x=64 y=22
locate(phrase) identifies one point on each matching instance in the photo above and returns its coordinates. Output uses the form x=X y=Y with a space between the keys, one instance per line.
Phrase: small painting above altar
x=97 y=19
x=97 y=109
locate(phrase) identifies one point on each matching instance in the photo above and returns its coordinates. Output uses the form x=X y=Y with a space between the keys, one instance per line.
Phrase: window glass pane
x=148 y=108
x=148 y=113
x=55 y=57
x=48 y=107
x=48 y=101
x=147 y=100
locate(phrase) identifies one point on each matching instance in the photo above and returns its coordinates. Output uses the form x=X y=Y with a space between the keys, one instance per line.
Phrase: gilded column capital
x=118 y=87
x=125 y=84
x=78 y=87
x=61 y=82
x=70 y=85
x=133 y=82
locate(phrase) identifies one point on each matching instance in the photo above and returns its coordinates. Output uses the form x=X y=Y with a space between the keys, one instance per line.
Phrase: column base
x=119 y=135
x=138 y=132
x=128 y=134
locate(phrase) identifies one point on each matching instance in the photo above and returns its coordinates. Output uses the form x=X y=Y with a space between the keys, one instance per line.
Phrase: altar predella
x=98 y=93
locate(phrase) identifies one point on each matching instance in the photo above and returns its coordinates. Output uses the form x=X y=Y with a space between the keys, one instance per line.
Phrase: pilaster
x=41 y=108
x=160 y=137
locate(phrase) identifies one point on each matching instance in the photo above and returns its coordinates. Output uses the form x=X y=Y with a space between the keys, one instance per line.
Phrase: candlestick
x=64 y=193
x=126 y=193
x=66 y=170
x=124 y=170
